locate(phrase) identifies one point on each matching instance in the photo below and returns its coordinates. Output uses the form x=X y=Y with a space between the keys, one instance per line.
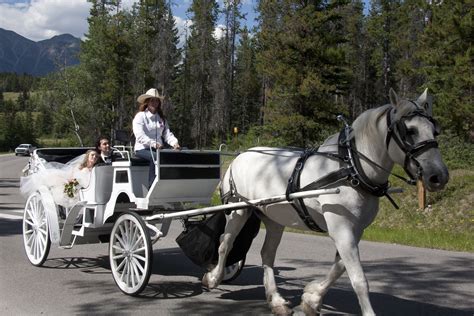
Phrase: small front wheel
x=36 y=230
x=130 y=253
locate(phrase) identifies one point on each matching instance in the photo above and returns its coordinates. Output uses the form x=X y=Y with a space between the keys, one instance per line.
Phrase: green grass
x=426 y=238
x=57 y=142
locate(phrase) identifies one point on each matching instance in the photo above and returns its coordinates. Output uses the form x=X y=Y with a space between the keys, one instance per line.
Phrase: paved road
x=403 y=280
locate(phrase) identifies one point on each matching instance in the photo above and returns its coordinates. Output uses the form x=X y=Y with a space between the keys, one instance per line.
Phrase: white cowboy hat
x=151 y=93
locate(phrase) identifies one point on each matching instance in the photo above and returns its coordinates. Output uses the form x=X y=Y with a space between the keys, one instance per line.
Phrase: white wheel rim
x=129 y=254
x=231 y=270
x=35 y=230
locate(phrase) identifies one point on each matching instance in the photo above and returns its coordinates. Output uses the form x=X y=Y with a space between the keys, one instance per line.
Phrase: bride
x=63 y=180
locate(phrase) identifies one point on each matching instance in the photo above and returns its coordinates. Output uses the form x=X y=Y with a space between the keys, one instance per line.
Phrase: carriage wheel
x=233 y=271
x=35 y=230
x=130 y=253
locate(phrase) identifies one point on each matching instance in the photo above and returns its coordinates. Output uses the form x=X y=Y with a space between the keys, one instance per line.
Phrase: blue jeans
x=146 y=154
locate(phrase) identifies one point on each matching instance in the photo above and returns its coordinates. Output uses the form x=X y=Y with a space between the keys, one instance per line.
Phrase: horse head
x=411 y=140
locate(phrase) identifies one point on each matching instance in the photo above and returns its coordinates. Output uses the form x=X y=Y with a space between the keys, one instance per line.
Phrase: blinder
x=405 y=142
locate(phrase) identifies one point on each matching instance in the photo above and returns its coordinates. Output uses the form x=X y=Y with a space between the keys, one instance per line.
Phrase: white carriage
x=117 y=207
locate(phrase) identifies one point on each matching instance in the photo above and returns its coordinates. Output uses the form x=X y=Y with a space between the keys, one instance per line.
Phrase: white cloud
x=43 y=19
x=219 y=31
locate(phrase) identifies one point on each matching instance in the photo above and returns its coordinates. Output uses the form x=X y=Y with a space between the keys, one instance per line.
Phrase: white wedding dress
x=55 y=176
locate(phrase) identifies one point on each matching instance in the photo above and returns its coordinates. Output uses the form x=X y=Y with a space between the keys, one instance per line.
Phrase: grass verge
x=428 y=238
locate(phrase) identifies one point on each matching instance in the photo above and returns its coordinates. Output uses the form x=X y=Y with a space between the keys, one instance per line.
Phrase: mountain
x=21 y=55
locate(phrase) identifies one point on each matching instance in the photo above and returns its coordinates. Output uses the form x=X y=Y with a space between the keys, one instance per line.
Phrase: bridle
x=397 y=130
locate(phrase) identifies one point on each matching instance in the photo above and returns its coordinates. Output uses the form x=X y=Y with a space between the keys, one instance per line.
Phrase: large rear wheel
x=35 y=230
x=130 y=253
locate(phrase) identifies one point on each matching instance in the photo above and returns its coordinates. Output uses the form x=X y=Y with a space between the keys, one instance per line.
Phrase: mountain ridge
x=21 y=55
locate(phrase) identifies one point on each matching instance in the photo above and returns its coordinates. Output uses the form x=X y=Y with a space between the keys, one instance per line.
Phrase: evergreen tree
x=359 y=95
x=381 y=26
x=225 y=70
x=106 y=58
x=200 y=58
x=247 y=88
x=303 y=61
x=447 y=57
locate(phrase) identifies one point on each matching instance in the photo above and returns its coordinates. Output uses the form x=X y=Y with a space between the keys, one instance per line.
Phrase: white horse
x=402 y=132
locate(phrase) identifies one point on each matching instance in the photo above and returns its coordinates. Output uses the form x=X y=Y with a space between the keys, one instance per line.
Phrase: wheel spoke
x=29 y=222
x=29 y=242
x=139 y=257
x=43 y=231
x=133 y=240
x=140 y=238
x=121 y=265
x=142 y=249
x=41 y=245
x=124 y=271
x=119 y=239
x=138 y=265
x=35 y=241
x=118 y=248
x=128 y=273
x=123 y=235
x=118 y=256
x=133 y=273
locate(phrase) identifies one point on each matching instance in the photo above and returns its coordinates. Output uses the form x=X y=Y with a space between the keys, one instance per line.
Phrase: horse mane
x=366 y=123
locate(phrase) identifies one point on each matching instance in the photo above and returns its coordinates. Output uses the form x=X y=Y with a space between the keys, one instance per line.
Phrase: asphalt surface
x=403 y=280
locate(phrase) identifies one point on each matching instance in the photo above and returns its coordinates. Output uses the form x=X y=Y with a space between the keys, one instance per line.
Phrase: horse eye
x=411 y=131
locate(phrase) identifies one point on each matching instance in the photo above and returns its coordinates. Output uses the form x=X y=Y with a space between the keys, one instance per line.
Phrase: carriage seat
x=100 y=185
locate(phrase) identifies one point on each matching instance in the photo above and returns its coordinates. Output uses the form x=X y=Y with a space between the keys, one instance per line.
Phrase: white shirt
x=148 y=129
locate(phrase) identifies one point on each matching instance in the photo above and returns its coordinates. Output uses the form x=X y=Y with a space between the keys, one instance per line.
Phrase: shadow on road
x=9 y=227
x=86 y=264
x=9 y=183
x=426 y=284
x=432 y=289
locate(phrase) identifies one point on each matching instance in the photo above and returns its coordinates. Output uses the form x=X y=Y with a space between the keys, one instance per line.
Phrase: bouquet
x=70 y=188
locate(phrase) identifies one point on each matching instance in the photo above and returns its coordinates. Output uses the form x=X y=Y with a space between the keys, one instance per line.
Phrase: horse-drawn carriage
x=118 y=208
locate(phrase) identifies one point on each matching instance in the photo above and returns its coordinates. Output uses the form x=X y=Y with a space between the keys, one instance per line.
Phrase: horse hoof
x=308 y=310
x=208 y=282
x=282 y=310
x=310 y=304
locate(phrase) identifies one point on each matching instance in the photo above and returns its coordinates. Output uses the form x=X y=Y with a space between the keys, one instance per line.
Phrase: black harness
x=351 y=169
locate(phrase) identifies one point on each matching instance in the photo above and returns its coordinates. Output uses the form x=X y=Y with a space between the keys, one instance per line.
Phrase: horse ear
x=393 y=97
x=423 y=98
x=426 y=102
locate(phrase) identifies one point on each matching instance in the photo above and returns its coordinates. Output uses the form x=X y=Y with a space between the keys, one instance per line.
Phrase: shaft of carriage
x=244 y=204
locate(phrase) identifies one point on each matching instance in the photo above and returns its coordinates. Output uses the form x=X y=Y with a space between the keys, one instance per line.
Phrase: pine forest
x=281 y=83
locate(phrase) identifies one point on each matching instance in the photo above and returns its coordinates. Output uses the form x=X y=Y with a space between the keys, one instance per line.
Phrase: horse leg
x=314 y=292
x=235 y=222
x=347 y=246
x=274 y=232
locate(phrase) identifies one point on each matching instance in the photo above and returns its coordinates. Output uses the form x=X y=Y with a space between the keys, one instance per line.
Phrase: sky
x=42 y=19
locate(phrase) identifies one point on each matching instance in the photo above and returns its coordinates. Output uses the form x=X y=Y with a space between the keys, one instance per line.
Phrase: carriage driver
x=151 y=129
